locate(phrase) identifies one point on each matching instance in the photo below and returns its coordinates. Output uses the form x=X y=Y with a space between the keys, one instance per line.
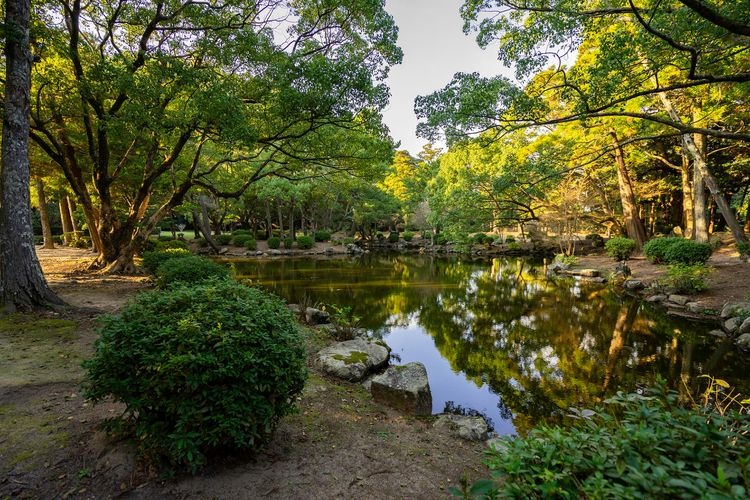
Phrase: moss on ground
x=353 y=357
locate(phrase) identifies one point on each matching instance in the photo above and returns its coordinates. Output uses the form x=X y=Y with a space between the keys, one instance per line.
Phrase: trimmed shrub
x=685 y=278
x=407 y=236
x=200 y=369
x=634 y=447
x=480 y=239
x=655 y=250
x=274 y=242
x=441 y=239
x=223 y=239
x=393 y=237
x=251 y=244
x=165 y=245
x=242 y=232
x=188 y=270
x=152 y=260
x=241 y=239
x=321 y=236
x=305 y=242
x=687 y=252
x=288 y=243
x=596 y=240
x=620 y=248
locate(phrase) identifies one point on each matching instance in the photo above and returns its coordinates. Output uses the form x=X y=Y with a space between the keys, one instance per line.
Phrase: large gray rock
x=744 y=327
x=732 y=325
x=633 y=285
x=732 y=309
x=743 y=342
x=656 y=298
x=316 y=316
x=405 y=388
x=464 y=426
x=352 y=359
x=679 y=299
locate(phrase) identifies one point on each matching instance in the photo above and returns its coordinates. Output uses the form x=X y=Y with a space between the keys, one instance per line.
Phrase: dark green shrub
x=347 y=240
x=166 y=238
x=634 y=447
x=596 y=240
x=288 y=243
x=427 y=235
x=261 y=236
x=200 y=369
x=167 y=244
x=379 y=236
x=251 y=244
x=509 y=239
x=620 y=248
x=223 y=239
x=687 y=252
x=744 y=248
x=241 y=239
x=393 y=237
x=480 y=239
x=188 y=270
x=322 y=236
x=686 y=278
x=655 y=250
x=152 y=260
x=441 y=239
x=202 y=242
x=242 y=232
x=305 y=242
x=407 y=236
x=274 y=242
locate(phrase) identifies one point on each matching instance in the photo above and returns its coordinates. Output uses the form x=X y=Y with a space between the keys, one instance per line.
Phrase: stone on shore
x=471 y=428
x=353 y=359
x=405 y=388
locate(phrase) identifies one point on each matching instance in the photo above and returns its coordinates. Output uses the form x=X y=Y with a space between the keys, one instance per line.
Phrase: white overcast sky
x=435 y=47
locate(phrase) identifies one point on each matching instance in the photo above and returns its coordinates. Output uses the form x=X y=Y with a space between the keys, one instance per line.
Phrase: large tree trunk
x=688 y=200
x=633 y=224
x=699 y=161
x=67 y=225
x=22 y=284
x=49 y=242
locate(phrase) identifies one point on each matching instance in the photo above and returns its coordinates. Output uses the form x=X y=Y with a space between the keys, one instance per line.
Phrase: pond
x=499 y=338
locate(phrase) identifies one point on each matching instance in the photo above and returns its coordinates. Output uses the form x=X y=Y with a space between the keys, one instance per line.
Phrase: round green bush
x=241 y=240
x=480 y=239
x=305 y=242
x=620 y=248
x=251 y=244
x=223 y=239
x=188 y=270
x=288 y=243
x=321 y=236
x=441 y=239
x=152 y=260
x=596 y=240
x=393 y=237
x=407 y=236
x=242 y=232
x=510 y=239
x=687 y=252
x=655 y=250
x=427 y=235
x=274 y=242
x=200 y=369
x=685 y=278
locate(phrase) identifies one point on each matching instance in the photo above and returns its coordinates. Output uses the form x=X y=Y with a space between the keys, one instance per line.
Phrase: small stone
x=295 y=308
x=694 y=307
x=718 y=333
x=744 y=327
x=732 y=309
x=743 y=342
x=656 y=298
x=732 y=325
x=275 y=251
x=679 y=299
x=316 y=316
x=471 y=428
x=633 y=285
x=405 y=388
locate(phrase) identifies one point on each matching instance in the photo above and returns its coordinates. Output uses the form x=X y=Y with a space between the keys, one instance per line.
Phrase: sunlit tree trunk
x=633 y=224
x=699 y=161
x=67 y=226
x=22 y=284
x=72 y=214
x=49 y=242
x=688 y=200
x=623 y=325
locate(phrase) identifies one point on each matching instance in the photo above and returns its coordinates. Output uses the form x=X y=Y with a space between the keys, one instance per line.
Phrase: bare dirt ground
x=340 y=444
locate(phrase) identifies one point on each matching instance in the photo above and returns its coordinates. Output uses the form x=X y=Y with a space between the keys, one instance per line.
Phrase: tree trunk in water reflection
x=623 y=325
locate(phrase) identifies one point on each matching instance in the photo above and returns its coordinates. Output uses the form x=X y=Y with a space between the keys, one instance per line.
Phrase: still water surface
x=498 y=337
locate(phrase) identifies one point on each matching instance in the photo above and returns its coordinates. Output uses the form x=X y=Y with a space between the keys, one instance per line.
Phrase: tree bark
x=688 y=200
x=22 y=284
x=67 y=226
x=699 y=162
x=633 y=224
x=49 y=242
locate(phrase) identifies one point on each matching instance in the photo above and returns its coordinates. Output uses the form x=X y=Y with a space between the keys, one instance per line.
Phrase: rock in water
x=316 y=316
x=352 y=359
x=405 y=388
x=471 y=428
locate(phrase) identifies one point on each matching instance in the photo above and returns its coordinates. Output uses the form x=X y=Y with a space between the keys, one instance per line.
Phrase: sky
x=435 y=47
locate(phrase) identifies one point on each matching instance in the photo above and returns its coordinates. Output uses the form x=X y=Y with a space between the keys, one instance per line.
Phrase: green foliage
x=407 y=236
x=274 y=242
x=566 y=259
x=288 y=243
x=306 y=242
x=480 y=239
x=744 y=248
x=188 y=270
x=687 y=252
x=686 y=278
x=441 y=239
x=241 y=239
x=426 y=234
x=620 y=248
x=633 y=447
x=393 y=237
x=200 y=369
x=152 y=260
x=348 y=240
x=322 y=235
x=261 y=235
x=167 y=244
x=251 y=244
x=345 y=322
x=242 y=232
x=510 y=239
x=655 y=250
x=223 y=239
x=597 y=241
x=202 y=242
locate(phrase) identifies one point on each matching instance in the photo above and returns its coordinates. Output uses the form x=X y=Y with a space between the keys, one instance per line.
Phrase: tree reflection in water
x=540 y=346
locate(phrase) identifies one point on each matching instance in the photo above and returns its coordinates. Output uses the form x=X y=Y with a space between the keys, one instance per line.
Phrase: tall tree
x=22 y=284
